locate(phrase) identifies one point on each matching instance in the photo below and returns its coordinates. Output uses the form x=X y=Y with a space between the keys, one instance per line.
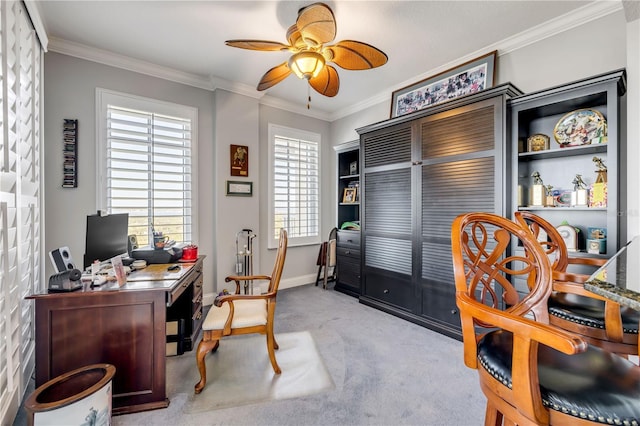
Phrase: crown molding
x=265 y=99
x=576 y=18
x=125 y=62
x=208 y=83
x=235 y=87
x=371 y=101
x=580 y=16
x=279 y=103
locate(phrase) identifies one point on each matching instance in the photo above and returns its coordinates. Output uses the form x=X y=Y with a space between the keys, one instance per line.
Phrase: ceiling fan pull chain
x=308 y=97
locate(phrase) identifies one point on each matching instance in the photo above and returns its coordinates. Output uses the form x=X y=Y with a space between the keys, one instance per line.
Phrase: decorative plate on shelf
x=581 y=127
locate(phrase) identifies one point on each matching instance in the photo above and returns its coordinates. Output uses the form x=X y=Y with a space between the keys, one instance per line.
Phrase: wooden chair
x=600 y=321
x=532 y=373
x=237 y=313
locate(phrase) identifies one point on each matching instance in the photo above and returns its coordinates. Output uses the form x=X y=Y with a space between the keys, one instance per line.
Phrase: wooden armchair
x=600 y=321
x=237 y=313
x=532 y=373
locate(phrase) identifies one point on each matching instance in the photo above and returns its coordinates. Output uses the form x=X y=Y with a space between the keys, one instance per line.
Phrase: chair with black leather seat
x=236 y=314
x=530 y=371
x=601 y=321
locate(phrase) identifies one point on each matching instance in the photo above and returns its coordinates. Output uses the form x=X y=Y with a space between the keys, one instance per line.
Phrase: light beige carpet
x=240 y=373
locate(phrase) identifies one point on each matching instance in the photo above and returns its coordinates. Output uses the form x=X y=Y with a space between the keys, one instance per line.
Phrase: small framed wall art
x=239 y=188
x=239 y=159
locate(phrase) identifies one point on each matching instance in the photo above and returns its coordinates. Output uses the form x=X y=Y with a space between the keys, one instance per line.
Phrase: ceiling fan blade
x=257 y=45
x=326 y=83
x=317 y=24
x=274 y=76
x=355 y=55
x=294 y=37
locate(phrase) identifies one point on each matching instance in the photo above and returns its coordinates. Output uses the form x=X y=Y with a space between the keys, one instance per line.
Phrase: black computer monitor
x=106 y=237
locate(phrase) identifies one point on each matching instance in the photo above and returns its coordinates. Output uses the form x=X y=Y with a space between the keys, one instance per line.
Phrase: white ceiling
x=184 y=40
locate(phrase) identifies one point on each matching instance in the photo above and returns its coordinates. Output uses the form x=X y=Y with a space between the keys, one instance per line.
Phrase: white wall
x=633 y=126
x=558 y=60
x=226 y=118
x=236 y=123
x=300 y=267
x=344 y=129
x=599 y=46
x=69 y=92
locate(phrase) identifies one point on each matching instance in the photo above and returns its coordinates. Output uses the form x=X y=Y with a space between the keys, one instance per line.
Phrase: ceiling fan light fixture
x=306 y=64
x=313 y=58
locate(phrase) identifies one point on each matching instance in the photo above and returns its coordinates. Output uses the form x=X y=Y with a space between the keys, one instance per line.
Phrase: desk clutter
x=150 y=265
x=152 y=255
x=111 y=254
x=68 y=280
x=133 y=328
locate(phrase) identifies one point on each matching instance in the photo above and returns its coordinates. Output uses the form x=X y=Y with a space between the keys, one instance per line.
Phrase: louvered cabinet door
x=461 y=172
x=419 y=172
x=387 y=218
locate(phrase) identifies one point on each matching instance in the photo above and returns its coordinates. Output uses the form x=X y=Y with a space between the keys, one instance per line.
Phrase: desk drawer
x=177 y=292
x=192 y=277
x=197 y=287
x=196 y=302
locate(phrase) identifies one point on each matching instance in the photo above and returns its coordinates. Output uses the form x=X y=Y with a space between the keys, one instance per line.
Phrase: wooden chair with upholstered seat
x=601 y=321
x=237 y=313
x=532 y=373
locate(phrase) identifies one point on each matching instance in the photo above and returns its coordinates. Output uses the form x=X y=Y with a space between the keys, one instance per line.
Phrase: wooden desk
x=125 y=327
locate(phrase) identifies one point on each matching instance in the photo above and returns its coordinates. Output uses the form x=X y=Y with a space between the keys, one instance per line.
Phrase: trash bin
x=80 y=397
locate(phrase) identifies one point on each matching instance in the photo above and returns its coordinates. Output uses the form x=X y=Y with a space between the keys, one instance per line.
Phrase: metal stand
x=244 y=257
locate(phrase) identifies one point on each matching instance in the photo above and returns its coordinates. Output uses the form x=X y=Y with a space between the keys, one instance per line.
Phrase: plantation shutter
x=296 y=188
x=20 y=200
x=149 y=171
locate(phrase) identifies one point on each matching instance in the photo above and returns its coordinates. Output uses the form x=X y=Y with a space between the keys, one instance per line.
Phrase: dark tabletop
x=619 y=278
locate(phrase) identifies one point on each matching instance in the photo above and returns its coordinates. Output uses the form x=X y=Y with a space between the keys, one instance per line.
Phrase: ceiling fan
x=314 y=28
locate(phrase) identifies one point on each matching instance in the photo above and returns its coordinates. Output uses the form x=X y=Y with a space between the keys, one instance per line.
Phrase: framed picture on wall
x=238 y=188
x=239 y=159
x=470 y=77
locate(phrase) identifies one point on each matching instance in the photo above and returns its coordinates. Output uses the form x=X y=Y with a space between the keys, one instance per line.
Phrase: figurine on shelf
x=537 y=190
x=549 y=194
x=598 y=192
x=537 y=180
x=602 y=170
x=578 y=183
x=579 y=194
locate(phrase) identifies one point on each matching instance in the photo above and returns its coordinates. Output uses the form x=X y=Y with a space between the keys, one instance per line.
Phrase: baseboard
x=284 y=283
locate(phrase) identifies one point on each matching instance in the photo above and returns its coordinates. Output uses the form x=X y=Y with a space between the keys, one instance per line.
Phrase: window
x=146 y=155
x=294 y=182
x=21 y=149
